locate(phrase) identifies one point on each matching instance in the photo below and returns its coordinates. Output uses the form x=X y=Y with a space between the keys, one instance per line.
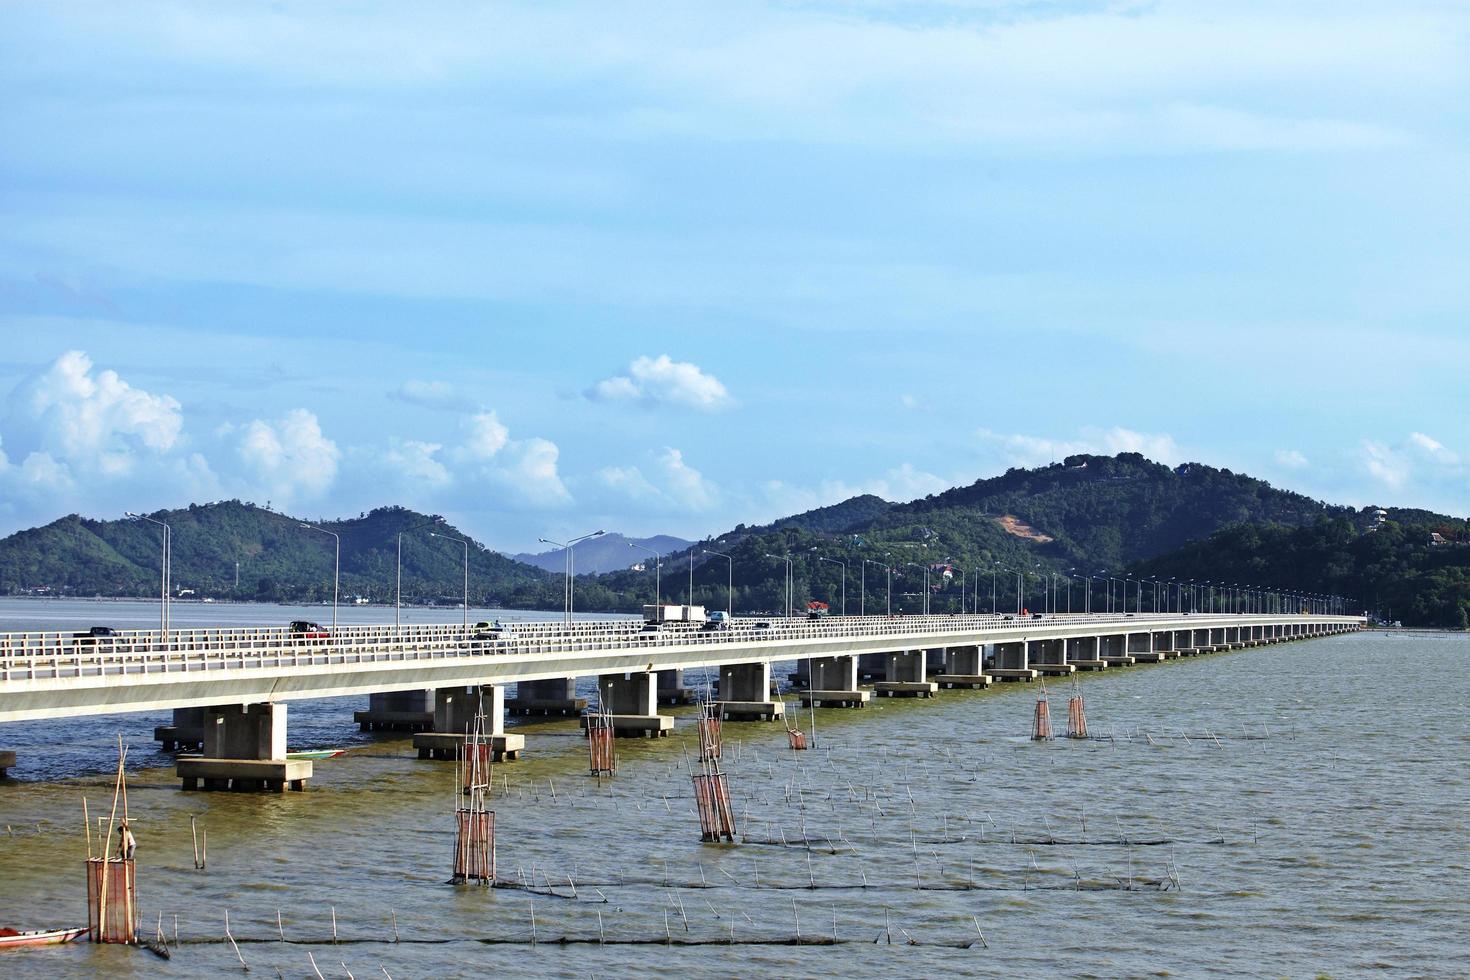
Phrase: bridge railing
x=52 y=654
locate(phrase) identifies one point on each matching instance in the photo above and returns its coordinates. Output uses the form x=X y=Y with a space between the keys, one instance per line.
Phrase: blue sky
x=659 y=268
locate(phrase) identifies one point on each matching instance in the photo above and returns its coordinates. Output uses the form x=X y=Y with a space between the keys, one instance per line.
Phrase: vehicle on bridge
x=486 y=630
x=673 y=614
x=97 y=636
x=717 y=619
x=302 y=629
x=817 y=609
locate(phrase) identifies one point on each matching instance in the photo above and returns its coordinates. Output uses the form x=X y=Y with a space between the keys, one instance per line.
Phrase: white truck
x=673 y=614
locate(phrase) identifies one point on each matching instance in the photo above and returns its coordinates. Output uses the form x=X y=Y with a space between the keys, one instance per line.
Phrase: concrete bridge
x=230 y=688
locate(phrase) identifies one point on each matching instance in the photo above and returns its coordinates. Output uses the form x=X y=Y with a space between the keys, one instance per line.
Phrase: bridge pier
x=872 y=666
x=745 y=693
x=1050 y=657
x=1115 y=650
x=965 y=667
x=244 y=749
x=632 y=702
x=671 y=689
x=1163 y=643
x=454 y=716
x=7 y=762
x=1012 y=662
x=1083 y=653
x=1140 y=647
x=834 y=683
x=557 y=696
x=186 y=732
x=397 y=711
x=907 y=676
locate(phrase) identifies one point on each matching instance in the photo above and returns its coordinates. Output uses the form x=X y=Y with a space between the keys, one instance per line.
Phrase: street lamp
x=569 y=563
x=336 y=566
x=658 y=566
x=925 y=567
x=844 y=579
x=787 y=560
x=398 y=574
x=863 y=586
x=165 y=572
x=450 y=537
x=730 y=579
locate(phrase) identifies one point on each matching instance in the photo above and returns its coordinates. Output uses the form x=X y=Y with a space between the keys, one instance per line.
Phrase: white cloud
x=684 y=484
x=1292 y=459
x=902 y=483
x=413 y=462
x=488 y=436
x=662 y=380
x=90 y=423
x=440 y=395
x=1432 y=448
x=1420 y=462
x=290 y=458
x=1027 y=450
x=628 y=481
x=531 y=472
x=674 y=484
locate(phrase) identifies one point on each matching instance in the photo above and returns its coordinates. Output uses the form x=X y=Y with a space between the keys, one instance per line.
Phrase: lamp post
x=863 y=588
x=450 y=537
x=730 y=580
x=834 y=561
x=336 y=566
x=658 y=564
x=787 y=560
x=569 y=563
x=993 y=566
x=398 y=574
x=165 y=572
x=925 y=567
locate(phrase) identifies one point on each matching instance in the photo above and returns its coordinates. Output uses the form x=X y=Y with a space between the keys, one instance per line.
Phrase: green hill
x=277 y=558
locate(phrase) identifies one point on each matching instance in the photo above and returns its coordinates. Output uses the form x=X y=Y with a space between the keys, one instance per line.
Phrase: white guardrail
x=59 y=654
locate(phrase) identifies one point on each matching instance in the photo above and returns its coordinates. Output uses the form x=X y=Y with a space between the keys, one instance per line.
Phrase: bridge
x=229 y=688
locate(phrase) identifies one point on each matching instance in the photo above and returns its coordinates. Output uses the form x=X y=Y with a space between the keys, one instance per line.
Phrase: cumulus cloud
x=92 y=423
x=1432 y=448
x=673 y=483
x=487 y=436
x=1420 y=461
x=1292 y=459
x=289 y=458
x=1027 y=450
x=663 y=381
x=439 y=395
x=414 y=462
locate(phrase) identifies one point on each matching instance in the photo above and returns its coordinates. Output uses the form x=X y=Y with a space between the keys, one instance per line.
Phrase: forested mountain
x=994 y=542
x=1414 y=566
x=277 y=558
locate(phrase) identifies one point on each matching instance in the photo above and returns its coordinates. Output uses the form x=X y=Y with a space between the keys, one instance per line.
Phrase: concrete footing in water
x=7 y=762
x=186 y=734
x=557 y=696
x=397 y=711
x=244 y=749
x=835 y=699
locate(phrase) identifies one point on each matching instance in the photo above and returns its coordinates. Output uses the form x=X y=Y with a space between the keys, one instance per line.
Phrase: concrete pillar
x=1013 y=662
x=1084 y=653
x=936 y=660
x=244 y=749
x=454 y=717
x=411 y=711
x=556 y=696
x=1050 y=657
x=834 y=682
x=965 y=667
x=186 y=732
x=671 y=689
x=745 y=693
x=873 y=666
x=632 y=701
x=7 y=762
x=906 y=675
x=1115 y=650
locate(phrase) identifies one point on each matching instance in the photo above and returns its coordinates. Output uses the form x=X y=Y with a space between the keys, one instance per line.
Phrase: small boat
x=316 y=754
x=39 y=937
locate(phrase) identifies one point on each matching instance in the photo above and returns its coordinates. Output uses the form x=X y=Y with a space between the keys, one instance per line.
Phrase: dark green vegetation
x=1088 y=514
x=278 y=559
x=1399 y=570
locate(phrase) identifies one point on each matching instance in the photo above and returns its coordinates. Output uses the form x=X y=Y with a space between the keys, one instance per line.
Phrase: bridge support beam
x=834 y=683
x=244 y=749
x=397 y=711
x=906 y=676
x=1115 y=651
x=671 y=689
x=745 y=693
x=965 y=668
x=186 y=732
x=454 y=715
x=1050 y=657
x=557 y=696
x=1083 y=653
x=632 y=701
x=1012 y=662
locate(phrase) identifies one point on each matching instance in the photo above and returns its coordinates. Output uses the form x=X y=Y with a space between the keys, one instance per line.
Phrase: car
x=649 y=631
x=486 y=630
x=302 y=629
x=762 y=626
x=96 y=636
x=1009 y=616
x=1036 y=616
